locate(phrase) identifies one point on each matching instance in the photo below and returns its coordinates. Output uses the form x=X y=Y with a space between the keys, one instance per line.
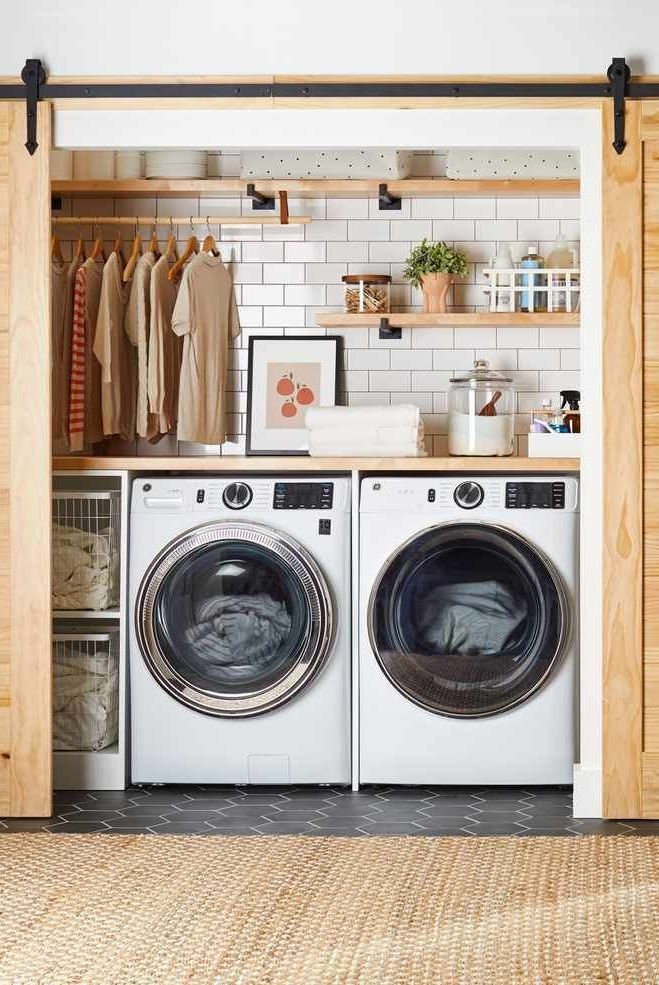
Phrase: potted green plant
x=432 y=266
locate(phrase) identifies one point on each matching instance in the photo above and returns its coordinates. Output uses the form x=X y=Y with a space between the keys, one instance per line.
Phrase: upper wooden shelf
x=256 y=464
x=317 y=188
x=402 y=319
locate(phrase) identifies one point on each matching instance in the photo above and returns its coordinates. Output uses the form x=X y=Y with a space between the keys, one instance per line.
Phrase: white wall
x=371 y=36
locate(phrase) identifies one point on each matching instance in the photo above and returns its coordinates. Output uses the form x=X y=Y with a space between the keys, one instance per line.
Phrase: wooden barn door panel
x=25 y=467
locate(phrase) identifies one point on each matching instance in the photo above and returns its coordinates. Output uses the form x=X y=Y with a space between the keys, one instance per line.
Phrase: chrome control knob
x=468 y=495
x=237 y=495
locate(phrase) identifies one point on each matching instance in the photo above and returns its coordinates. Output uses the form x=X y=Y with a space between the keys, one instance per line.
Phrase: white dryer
x=240 y=636
x=468 y=645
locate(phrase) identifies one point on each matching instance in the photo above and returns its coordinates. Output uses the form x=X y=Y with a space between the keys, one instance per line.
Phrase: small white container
x=554 y=445
x=93 y=165
x=165 y=164
x=129 y=164
x=61 y=165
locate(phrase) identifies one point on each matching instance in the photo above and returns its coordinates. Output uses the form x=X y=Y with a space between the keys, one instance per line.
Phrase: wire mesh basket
x=86 y=531
x=85 y=690
x=550 y=289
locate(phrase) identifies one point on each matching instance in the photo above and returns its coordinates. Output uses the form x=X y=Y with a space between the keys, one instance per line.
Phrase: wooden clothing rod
x=190 y=221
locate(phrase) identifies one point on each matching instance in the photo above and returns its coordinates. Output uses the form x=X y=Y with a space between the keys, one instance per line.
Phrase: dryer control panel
x=535 y=495
x=303 y=496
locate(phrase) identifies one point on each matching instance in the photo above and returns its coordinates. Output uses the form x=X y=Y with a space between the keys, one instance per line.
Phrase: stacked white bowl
x=176 y=164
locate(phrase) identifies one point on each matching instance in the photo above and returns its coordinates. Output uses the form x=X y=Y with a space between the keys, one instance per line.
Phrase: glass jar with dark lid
x=367 y=293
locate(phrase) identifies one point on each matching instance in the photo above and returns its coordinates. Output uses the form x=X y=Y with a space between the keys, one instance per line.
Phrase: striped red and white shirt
x=78 y=357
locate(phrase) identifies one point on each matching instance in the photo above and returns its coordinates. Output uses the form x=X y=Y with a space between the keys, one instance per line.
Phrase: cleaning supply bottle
x=571 y=417
x=530 y=299
x=560 y=258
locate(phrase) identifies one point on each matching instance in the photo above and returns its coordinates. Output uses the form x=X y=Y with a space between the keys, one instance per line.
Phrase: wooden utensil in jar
x=489 y=410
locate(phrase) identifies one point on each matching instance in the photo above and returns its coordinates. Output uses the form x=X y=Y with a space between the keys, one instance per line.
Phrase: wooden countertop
x=256 y=464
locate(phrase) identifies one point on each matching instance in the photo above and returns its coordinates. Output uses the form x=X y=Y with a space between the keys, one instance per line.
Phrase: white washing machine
x=468 y=644
x=240 y=637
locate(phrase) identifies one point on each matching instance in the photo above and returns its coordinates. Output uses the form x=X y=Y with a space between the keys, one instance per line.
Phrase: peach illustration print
x=292 y=388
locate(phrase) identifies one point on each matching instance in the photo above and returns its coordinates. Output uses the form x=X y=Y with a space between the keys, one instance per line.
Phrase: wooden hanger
x=79 y=254
x=191 y=247
x=153 y=243
x=209 y=245
x=56 y=249
x=135 y=254
x=98 y=249
x=118 y=247
x=171 y=248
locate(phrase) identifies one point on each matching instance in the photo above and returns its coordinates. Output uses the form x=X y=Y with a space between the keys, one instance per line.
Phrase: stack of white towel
x=365 y=432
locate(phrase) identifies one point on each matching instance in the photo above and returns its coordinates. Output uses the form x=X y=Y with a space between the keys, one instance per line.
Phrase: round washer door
x=234 y=619
x=468 y=619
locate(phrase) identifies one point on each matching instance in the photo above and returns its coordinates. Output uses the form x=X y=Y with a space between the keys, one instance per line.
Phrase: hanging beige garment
x=138 y=315
x=207 y=316
x=93 y=429
x=115 y=353
x=59 y=380
x=165 y=348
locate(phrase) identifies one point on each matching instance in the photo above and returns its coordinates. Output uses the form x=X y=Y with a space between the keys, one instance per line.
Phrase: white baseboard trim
x=587 y=792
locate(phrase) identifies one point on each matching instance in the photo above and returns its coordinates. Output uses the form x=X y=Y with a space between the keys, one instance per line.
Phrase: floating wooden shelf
x=317 y=188
x=402 y=319
x=256 y=464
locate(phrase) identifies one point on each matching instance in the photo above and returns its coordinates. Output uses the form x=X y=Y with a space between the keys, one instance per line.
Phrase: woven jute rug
x=314 y=911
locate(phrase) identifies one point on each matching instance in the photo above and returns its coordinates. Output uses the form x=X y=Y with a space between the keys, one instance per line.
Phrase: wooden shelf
x=257 y=464
x=77 y=615
x=317 y=188
x=402 y=319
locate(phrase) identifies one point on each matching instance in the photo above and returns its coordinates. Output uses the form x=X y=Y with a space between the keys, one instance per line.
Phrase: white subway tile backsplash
x=388 y=380
x=370 y=359
x=537 y=229
x=306 y=294
x=285 y=276
x=453 y=229
x=348 y=252
x=347 y=208
x=266 y=294
x=283 y=273
x=305 y=252
x=411 y=229
x=287 y=316
x=369 y=229
x=263 y=252
x=475 y=208
x=325 y=231
x=325 y=273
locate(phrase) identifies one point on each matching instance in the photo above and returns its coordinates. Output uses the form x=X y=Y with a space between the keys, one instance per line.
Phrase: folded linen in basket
x=353 y=418
x=363 y=449
x=367 y=436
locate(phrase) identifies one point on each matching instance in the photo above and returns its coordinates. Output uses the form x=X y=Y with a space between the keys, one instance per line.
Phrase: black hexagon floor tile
x=380 y=810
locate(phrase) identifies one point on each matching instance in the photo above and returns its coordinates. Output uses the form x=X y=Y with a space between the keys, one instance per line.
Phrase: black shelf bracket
x=34 y=76
x=260 y=203
x=388 y=202
x=389 y=331
x=618 y=74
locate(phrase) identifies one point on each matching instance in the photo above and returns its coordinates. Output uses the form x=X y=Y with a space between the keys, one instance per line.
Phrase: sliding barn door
x=25 y=467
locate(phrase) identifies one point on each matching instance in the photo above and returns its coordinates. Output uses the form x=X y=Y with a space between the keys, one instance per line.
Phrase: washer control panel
x=303 y=496
x=535 y=495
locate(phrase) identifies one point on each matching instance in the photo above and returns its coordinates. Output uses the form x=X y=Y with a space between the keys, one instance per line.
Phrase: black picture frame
x=335 y=340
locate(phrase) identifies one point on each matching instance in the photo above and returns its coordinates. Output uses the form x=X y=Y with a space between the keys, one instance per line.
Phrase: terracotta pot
x=435 y=287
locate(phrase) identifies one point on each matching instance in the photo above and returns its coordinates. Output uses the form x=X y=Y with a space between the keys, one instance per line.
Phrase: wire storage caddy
x=85 y=550
x=85 y=689
x=545 y=289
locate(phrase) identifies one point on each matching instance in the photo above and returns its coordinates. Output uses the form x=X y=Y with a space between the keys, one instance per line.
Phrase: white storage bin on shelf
x=85 y=563
x=543 y=289
x=85 y=690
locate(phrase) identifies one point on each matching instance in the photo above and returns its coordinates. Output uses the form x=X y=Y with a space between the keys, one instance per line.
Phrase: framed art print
x=286 y=376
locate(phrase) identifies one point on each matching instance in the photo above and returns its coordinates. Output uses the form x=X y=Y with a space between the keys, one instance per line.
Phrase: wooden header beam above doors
x=618 y=84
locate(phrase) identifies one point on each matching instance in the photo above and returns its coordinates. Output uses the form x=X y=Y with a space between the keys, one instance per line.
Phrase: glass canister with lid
x=481 y=412
x=367 y=293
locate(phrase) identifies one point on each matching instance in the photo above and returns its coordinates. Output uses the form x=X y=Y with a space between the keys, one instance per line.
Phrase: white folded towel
x=362 y=449
x=388 y=415
x=366 y=436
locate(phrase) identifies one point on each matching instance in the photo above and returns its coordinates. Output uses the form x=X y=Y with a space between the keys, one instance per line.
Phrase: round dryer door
x=468 y=619
x=234 y=619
